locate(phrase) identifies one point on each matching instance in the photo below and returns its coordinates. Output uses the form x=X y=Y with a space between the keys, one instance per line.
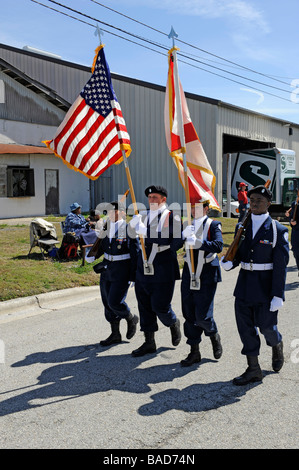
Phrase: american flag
x=93 y=134
x=201 y=178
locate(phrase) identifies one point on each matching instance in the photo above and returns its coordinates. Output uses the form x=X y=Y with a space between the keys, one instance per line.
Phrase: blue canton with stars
x=98 y=91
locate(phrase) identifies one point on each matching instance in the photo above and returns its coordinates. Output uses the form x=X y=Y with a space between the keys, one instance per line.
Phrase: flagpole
x=183 y=144
x=99 y=33
x=128 y=173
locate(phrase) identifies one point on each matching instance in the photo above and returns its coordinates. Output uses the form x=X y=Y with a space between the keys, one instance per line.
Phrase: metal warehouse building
x=35 y=93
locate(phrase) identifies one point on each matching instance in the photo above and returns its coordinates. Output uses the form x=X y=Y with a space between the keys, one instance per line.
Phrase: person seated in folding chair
x=76 y=222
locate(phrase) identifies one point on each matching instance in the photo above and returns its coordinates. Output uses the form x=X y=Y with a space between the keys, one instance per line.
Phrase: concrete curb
x=41 y=303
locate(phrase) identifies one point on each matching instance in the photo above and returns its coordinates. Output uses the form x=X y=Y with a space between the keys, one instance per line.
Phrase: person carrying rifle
x=263 y=254
x=293 y=216
x=204 y=237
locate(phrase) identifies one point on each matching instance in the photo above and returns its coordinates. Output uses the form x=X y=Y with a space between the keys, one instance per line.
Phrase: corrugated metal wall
x=64 y=78
x=143 y=109
x=22 y=104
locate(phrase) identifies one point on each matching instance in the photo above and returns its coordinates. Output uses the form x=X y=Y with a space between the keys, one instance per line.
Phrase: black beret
x=261 y=190
x=156 y=189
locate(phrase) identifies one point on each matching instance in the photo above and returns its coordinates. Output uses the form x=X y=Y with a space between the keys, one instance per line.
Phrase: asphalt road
x=61 y=390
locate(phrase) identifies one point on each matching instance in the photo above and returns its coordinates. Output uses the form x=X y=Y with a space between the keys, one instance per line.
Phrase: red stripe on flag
x=69 y=124
x=75 y=134
x=95 y=147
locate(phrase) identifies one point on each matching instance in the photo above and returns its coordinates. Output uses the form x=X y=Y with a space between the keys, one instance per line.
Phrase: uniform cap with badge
x=156 y=189
x=261 y=190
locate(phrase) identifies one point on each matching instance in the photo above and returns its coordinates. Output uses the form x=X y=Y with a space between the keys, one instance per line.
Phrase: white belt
x=257 y=266
x=209 y=258
x=162 y=248
x=116 y=257
x=157 y=249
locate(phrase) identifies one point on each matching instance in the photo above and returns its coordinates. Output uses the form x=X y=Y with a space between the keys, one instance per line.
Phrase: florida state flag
x=181 y=138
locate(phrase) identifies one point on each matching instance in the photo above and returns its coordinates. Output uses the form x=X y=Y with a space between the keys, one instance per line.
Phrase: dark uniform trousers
x=154 y=292
x=255 y=289
x=114 y=281
x=198 y=305
x=250 y=317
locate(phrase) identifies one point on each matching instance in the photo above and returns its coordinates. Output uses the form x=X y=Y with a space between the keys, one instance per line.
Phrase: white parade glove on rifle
x=226 y=265
x=275 y=304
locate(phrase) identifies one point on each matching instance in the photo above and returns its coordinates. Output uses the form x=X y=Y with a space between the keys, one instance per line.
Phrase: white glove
x=226 y=265
x=136 y=219
x=141 y=229
x=191 y=240
x=275 y=304
x=188 y=231
x=131 y=283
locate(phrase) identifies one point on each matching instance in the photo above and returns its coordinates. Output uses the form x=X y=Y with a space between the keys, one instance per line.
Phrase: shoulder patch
x=286 y=236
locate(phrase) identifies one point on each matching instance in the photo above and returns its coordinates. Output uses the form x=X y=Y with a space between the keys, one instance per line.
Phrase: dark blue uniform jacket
x=120 y=244
x=214 y=244
x=166 y=267
x=261 y=286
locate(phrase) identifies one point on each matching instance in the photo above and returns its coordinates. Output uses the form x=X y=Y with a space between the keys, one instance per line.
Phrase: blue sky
x=261 y=35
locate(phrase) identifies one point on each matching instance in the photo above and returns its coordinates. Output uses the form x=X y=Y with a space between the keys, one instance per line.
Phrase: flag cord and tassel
x=128 y=174
x=186 y=185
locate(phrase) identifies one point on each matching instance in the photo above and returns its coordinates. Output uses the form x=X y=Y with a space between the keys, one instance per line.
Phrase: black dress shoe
x=192 y=358
x=148 y=347
x=112 y=339
x=115 y=336
x=175 y=333
x=277 y=357
x=216 y=344
x=253 y=373
x=132 y=326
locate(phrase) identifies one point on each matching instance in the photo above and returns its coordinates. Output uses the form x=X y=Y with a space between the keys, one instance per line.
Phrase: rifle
x=233 y=248
x=295 y=210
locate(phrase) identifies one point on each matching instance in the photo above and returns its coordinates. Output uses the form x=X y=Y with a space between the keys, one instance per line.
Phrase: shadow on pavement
x=84 y=370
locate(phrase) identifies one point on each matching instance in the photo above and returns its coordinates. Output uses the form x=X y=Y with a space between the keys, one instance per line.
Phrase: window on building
x=20 y=182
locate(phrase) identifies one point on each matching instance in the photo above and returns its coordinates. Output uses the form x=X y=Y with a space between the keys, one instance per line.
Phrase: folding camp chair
x=41 y=239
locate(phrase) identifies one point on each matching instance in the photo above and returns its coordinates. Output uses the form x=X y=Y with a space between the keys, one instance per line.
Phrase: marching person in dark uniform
x=259 y=292
x=155 y=279
x=294 y=221
x=117 y=271
x=205 y=238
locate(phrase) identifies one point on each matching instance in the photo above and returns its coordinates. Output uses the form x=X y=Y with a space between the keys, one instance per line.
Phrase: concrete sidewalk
x=41 y=303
